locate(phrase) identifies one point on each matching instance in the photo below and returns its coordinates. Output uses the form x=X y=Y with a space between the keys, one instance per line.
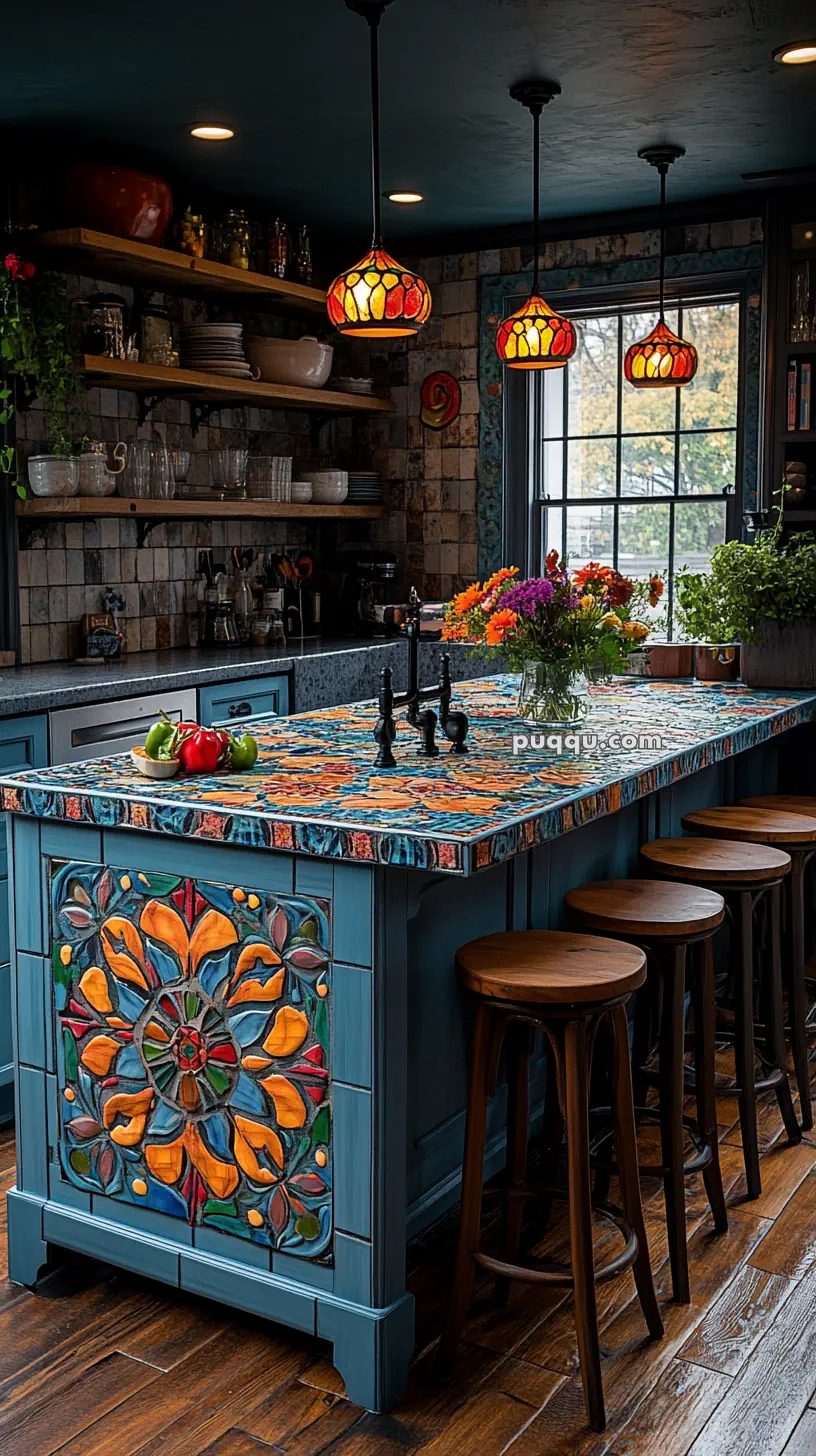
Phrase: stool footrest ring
x=563 y=1279
x=700 y=1159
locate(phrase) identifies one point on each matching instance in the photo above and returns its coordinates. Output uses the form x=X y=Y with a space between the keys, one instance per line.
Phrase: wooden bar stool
x=675 y=925
x=744 y=874
x=565 y=985
x=796 y=835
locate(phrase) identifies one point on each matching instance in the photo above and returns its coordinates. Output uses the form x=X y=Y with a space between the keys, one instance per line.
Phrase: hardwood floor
x=99 y=1363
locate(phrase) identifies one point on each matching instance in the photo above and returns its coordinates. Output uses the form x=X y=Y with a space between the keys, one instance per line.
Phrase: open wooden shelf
x=157 y=379
x=65 y=507
x=798 y=437
x=128 y=261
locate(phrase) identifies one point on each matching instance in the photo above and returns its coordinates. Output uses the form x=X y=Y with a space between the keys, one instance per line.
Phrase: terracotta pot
x=118 y=201
x=781 y=657
x=716 y=662
x=667 y=659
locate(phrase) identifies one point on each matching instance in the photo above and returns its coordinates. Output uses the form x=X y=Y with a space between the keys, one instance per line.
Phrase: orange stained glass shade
x=535 y=337
x=661 y=360
x=379 y=299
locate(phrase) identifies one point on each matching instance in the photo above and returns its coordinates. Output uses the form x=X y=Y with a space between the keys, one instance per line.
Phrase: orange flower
x=636 y=631
x=656 y=589
x=471 y=597
x=505 y=573
x=499 y=626
x=587 y=603
x=455 y=632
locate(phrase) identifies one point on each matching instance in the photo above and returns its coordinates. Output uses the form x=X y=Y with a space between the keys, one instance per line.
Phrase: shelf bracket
x=200 y=411
x=148 y=402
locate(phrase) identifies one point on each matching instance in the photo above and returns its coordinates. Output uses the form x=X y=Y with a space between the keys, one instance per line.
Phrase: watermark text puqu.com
x=555 y=742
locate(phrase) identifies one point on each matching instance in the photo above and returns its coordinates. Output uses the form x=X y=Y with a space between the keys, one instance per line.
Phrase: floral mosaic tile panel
x=193 y=1034
x=315 y=789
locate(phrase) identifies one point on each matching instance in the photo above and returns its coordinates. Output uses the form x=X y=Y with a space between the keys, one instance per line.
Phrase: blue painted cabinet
x=23 y=744
x=230 y=702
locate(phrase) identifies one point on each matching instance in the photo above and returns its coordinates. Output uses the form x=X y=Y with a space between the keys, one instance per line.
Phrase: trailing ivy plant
x=37 y=348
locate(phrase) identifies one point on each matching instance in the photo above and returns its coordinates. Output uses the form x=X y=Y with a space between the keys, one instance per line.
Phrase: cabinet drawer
x=6 y=1048
x=23 y=743
x=232 y=702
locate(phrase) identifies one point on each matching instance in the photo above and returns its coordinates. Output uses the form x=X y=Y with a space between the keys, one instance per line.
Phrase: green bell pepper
x=243 y=752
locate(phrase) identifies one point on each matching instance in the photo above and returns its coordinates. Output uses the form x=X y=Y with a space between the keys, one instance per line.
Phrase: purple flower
x=528 y=596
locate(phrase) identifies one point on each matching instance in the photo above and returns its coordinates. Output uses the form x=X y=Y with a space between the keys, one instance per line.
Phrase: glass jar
x=304 y=254
x=104 y=325
x=192 y=234
x=277 y=248
x=553 y=695
x=236 y=240
x=156 y=345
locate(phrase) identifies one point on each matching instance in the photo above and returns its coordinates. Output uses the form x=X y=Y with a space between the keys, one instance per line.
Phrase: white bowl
x=53 y=474
x=154 y=768
x=300 y=492
x=290 y=361
x=329 y=493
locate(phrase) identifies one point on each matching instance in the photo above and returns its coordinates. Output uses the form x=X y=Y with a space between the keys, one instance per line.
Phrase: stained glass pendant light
x=535 y=337
x=662 y=360
x=377 y=298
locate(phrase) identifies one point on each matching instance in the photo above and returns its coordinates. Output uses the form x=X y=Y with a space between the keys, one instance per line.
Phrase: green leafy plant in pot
x=702 y=615
x=767 y=595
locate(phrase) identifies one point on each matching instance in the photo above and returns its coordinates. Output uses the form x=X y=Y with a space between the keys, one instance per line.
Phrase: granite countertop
x=316 y=789
x=64 y=684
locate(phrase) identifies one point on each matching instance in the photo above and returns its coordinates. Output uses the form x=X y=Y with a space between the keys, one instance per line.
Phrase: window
x=636 y=478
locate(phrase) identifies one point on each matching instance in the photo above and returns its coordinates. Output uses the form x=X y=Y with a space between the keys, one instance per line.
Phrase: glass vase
x=553 y=695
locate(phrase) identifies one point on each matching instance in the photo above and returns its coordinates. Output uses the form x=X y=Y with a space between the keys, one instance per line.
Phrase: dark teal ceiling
x=128 y=80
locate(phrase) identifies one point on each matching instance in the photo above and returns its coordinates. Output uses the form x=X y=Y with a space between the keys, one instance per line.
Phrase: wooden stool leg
x=775 y=1020
x=744 y=1042
x=626 y=1146
x=520 y=1045
x=704 y=1050
x=470 y=1216
x=671 y=1116
x=797 y=989
x=576 y=1083
x=552 y=1138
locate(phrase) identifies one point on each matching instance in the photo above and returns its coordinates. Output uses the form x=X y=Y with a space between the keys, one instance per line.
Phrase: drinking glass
x=162 y=485
x=229 y=471
x=137 y=470
x=270 y=477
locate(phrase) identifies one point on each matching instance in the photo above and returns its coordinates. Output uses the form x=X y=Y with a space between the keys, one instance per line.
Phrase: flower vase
x=553 y=695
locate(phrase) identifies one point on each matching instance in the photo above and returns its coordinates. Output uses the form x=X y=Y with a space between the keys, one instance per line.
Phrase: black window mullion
x=565 y=462
x=618 y=447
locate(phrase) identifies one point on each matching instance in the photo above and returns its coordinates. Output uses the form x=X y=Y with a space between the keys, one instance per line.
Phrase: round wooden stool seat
x=550 y=967
x=648 y=908
x=715 y=861
x=793 y=803
x=756 y=826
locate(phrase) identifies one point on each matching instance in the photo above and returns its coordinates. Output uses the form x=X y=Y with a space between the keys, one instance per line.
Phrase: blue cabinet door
x=231 y=702
x=23 y=744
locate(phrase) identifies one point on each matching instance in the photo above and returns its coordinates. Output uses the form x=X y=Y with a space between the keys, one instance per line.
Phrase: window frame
x=523 y=506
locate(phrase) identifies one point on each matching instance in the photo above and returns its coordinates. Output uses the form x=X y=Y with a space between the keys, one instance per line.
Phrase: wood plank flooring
x=100 y=1363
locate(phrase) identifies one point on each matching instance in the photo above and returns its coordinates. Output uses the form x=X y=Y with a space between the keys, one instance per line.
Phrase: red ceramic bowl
x=116 y=200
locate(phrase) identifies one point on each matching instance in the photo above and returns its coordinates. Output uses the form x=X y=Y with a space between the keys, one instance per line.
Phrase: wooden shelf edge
x=64 y=507
x=170 y=267
x=124 y=374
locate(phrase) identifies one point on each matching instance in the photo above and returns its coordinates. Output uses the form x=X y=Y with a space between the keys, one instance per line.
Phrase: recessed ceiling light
x=405 y=197
x=801 y=54
x=212 y=133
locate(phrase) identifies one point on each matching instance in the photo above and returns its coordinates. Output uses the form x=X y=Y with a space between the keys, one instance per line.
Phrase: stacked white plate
x=215 y=349
x=364 y=487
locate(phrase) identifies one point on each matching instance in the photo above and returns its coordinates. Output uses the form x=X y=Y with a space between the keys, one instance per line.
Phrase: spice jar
x=236 y=239
x=304 y=254
x=192 y=233
x=156 y=336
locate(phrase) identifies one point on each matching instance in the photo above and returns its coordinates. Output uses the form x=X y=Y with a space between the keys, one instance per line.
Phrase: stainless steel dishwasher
x=100 y=729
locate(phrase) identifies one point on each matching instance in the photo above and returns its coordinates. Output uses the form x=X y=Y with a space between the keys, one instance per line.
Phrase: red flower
x=20 y=271
x=552 y=560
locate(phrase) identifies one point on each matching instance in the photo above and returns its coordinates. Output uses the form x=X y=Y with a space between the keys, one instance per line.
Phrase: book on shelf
x=793 y=382
x=804 y=394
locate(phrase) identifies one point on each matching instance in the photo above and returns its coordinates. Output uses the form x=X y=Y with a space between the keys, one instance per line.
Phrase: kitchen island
x=240 y=1046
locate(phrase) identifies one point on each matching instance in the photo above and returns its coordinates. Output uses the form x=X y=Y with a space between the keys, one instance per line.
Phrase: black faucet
x=454 y=724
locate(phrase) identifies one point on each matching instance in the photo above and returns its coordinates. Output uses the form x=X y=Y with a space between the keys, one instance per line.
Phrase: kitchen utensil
x=229 y=471
x=366 y=589
x=136 y=480
x=300 y=492
x=162 y=484
x=117 y=200
x=304 y=361
x=269 y=477
x=96 y=477
x=53 y=474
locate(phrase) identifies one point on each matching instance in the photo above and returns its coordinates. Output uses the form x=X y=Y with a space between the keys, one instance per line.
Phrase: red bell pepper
x=201 y=750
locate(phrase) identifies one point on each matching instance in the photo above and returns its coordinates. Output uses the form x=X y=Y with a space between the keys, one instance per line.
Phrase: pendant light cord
x=373 y=30
x=536 y=110
x=663 y=170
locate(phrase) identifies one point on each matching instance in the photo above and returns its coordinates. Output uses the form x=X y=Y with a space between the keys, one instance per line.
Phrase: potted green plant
x=767 y=593
x=702 y=616
x=37 y=349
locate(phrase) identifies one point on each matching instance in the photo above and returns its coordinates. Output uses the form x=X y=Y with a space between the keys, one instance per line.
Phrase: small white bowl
x=300 y=492
x=153 y=768
x=327 y=493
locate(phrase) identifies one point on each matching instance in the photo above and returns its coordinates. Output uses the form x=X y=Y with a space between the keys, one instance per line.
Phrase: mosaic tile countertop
x=316 y=790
